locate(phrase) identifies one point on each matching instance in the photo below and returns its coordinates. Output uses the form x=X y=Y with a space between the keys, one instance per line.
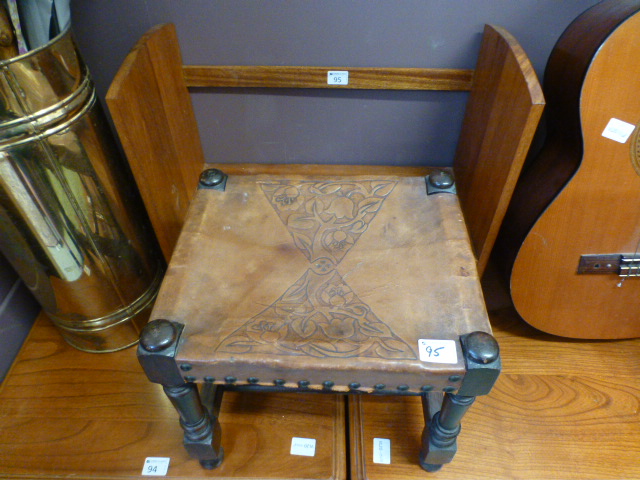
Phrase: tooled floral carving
x=287 y=198
x=326 y=219
x=320 y=315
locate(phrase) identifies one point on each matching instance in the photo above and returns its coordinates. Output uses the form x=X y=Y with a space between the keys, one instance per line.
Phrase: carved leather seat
x=325 y=283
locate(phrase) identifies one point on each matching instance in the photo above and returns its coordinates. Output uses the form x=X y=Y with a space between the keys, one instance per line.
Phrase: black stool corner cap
x=482 y=347
x=158 y=335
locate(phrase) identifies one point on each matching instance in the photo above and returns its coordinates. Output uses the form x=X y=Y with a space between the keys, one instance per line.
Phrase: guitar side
x=582 y=195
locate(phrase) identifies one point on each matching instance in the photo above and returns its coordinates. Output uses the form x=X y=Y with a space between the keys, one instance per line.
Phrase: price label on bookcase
x=338 y=77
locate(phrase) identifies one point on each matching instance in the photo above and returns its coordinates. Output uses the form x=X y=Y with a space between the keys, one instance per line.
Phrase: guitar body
x=581 y=196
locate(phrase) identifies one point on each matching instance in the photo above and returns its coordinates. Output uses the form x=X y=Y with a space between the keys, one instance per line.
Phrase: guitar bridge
x=629 y=267
x=624 y=265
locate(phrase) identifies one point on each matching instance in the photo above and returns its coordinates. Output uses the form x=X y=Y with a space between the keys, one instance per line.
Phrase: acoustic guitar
x=572 y=232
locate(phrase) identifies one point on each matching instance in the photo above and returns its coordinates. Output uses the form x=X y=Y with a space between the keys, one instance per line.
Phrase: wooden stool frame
x=150 y=105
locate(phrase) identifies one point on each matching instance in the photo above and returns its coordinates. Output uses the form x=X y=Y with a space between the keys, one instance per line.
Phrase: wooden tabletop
x=71 y=414
x=562 y=409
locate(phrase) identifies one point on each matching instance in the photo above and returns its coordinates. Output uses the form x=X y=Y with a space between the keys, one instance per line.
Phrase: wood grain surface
x=70 y=414
x=360 y=78
x=562 y=409
x=501 y=117
x=152 y=113
x=318 y=169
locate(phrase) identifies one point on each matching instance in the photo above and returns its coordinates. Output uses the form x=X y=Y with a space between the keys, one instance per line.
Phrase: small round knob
x=441 y=180
x=482 y=347
x=211 y=177
x=158 y=335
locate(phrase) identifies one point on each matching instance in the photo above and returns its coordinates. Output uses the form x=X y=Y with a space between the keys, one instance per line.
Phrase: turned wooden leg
x=156 y=353
x=439 y=444
x=443 y=415
x=201 y=432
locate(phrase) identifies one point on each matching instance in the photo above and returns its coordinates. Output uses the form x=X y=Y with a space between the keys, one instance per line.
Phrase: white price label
x=618 y=130
x=338 y=77
x=303 y=446
x=437 y=351
x=382 y=450
x=156 y=466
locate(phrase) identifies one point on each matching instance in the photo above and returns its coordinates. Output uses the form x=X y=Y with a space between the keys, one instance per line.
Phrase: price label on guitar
x=437 y=351
x=618 y=130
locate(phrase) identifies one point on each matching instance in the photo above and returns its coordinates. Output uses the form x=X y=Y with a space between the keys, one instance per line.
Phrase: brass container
x=71 y=222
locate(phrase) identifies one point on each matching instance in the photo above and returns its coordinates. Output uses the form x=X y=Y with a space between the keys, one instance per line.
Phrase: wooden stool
x=363 y=284
x=358 y=280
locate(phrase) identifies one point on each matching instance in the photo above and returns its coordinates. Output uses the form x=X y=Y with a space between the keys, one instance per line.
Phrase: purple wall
x=17 y=312
x=369 y=127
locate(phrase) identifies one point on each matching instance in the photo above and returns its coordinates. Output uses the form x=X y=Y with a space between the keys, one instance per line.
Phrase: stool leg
x=483 y=365
x=439 y=436
x=201 y=432
x=159 y=341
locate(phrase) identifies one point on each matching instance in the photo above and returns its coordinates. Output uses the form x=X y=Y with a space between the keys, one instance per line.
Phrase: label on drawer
x=437 y=351
x=156 y=466
x=303 y=446
x=382 y=450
